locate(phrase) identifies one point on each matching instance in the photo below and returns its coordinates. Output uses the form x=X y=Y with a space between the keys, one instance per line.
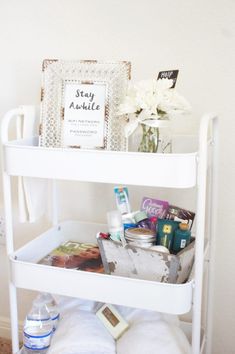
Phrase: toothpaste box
x=154 y=207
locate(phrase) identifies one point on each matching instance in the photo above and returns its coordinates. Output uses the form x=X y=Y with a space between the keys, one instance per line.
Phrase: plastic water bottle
x=52 y=308
x=38 y=329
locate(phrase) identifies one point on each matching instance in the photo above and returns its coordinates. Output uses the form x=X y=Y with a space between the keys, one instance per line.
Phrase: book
x=179 y=214
x=154 y=207
x=75 y=255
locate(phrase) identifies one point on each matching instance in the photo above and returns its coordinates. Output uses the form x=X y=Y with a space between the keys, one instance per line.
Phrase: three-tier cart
x=25 y=158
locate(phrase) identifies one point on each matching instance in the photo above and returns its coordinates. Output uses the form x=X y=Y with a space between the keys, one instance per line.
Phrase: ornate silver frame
x=56 y=73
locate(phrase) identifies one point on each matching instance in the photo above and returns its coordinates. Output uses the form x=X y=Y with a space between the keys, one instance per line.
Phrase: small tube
x=122 y=200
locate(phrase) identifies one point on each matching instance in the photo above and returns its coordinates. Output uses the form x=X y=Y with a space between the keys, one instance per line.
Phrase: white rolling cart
x=25 y=158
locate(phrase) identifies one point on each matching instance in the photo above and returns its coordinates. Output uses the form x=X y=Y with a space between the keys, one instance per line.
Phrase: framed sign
x=84 y=115
x=79 y=104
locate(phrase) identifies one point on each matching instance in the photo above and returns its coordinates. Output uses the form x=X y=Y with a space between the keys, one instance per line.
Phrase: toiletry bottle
x=122 y=200
x=142 y=220
x=115 y=226
x=165 y=232
x=153 y=223
x=181 y=238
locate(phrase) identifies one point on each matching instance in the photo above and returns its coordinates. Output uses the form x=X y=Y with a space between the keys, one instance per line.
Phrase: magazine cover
x=154 y=207
x=75 y=255
x=178 y=214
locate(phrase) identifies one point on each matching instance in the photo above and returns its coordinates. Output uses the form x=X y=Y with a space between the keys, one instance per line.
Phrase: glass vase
x=156 y=139
x=150 y=139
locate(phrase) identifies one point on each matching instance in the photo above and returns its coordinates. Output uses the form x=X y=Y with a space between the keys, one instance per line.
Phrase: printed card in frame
x=79 y=104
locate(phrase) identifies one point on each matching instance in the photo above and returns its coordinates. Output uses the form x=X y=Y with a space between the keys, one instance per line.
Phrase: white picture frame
x=79 y=104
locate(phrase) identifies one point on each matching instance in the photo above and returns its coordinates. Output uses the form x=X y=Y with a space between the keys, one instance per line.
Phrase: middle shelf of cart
x=27 y=273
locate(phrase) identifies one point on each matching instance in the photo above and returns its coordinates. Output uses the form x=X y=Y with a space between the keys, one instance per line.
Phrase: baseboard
x=5 y=327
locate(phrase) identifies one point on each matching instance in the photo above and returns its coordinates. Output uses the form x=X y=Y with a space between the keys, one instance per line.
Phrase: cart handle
x=18 y=113
x=207 y=121
x=6 y=122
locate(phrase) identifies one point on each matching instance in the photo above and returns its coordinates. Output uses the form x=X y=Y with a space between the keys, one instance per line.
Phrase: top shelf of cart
x=179 y=169
x=26 y=158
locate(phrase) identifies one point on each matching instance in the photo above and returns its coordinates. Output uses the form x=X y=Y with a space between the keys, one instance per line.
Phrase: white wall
x=195 y=36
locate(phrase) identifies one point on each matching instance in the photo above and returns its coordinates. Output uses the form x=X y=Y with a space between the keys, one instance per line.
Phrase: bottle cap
x=39 y=302
x=141 y=215
x=47 y=297
x=153 y=219
x=104 y=235
x=183 y=226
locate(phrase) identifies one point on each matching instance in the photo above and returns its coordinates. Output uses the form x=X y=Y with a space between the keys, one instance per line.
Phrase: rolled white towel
x=81 y=332
x=152 y=332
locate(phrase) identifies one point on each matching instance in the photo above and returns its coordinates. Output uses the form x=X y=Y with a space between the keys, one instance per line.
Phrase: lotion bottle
x=115 y=226
x=181 y=238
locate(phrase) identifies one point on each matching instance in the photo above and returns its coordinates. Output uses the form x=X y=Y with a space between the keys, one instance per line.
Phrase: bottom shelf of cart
x=28 y=274
x=186 y=328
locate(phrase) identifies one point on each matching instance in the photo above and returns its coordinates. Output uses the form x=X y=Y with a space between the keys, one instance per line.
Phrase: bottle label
x=182 y=243
x=35 y=337
x=115 y=235
x=55 y=321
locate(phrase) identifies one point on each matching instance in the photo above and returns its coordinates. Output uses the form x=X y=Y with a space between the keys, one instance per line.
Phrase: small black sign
x=169 y=74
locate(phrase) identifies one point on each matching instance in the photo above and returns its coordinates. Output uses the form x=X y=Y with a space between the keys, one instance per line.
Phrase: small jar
x=142 y=220
x=140 y=237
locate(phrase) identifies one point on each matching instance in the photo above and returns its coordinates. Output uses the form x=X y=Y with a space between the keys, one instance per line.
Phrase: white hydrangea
x=151 y=100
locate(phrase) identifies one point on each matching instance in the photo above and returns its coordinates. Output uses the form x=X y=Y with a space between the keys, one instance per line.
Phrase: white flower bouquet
x=151 y=103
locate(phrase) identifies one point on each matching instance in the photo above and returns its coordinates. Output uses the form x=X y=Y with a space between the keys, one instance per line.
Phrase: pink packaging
x=154 y=207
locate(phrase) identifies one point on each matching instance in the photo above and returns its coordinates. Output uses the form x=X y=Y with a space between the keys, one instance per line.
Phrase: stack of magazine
x=75 y=255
